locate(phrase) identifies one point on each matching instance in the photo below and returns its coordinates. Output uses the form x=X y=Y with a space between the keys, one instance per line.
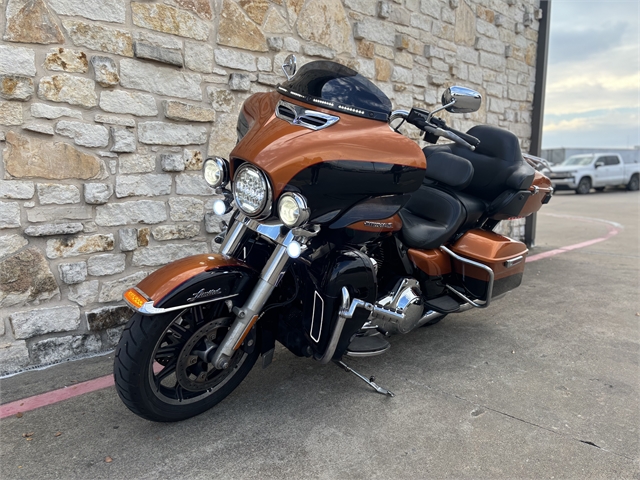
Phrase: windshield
x=336 y=87
x=578 y=160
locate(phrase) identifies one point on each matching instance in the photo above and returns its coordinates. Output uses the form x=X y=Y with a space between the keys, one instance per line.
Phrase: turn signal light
x=134 y=298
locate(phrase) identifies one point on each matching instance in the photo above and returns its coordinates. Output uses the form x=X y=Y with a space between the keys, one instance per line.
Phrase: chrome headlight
x=293 y=209
x=216 y=171
x=251 y=190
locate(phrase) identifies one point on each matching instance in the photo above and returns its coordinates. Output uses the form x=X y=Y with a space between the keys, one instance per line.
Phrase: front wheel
x=634 y=183
x=584 y=186
x=161 y=369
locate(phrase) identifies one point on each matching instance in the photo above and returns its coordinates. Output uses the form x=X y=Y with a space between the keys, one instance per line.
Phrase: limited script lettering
x=204 y=294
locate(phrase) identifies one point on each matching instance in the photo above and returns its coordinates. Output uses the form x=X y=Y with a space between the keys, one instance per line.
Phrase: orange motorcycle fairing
x=433 y=262
x=190 y=281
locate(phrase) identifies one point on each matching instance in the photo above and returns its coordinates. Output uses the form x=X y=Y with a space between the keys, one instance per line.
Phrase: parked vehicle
x=586 y=171
x=344 y=232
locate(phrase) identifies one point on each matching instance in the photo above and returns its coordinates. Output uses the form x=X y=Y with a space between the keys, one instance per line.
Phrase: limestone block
x=66 y=60
x=160 y=80
x=264 y=64
x=113 y=120
x=124 y=139
x=56 y=349
x=17 y=190
x=74 y=246
x=105 y=71
x=9 y=215
x=275 y=43
x=135 y=103
x=72 y=273
x=143 y=236
x=492 y=61
x=160 y=133
x=25 y=277
x=314 y=50
x=201 y=7
x=172 y=162
x=106 y=264
x=275 y=23
x=69 y=89
x=140 y=211
x=255 y=9
x=268 y=79
x=50 y=193
x=190 y=184
x=147 y=185
x=159 y=54
x=222 y=100
x=16 y=87
x=192 y=159
x=198 y=57
x=50 y=229
x=17 y=61
x=336 y=31
x=290 y=45
x=237 y=30
x=98 y=37
x=107 y=10
x=185 y=112
x=175 y=232
x=14 y=357
x=42 y=110
x=136 y=163
x=31 y=21
x=113 y=335
x=39 y=128
x=234 y=59
x=55 y=214
x=164 y=18
x=375 y=30
x=84 y=293
x=84 y=134
x=108 y=317
x=10 y=244
x=223 y=136
x=186 y=209
x=161 y=255
x=128 y=239
x=383 y=69
x=112 y=291
x=10 y=113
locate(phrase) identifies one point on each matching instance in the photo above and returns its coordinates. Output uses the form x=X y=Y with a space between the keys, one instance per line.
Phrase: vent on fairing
x=297 y=115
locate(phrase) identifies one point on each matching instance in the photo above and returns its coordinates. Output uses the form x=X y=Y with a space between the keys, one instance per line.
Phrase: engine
x=401 y=310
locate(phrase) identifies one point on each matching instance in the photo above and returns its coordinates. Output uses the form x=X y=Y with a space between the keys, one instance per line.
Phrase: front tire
x=159 y=370
x=634 y=183
x=584 y=186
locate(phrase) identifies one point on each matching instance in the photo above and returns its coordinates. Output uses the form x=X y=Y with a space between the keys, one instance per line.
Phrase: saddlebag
x=506 y=257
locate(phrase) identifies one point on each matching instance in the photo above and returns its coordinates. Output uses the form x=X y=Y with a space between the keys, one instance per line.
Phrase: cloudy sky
x=593 y=74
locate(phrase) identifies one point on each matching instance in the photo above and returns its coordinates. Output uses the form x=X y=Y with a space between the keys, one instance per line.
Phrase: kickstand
x=368 y=381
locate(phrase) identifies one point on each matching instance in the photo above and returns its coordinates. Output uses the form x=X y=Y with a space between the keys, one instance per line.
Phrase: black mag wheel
x=161 y=369
x=584 y=186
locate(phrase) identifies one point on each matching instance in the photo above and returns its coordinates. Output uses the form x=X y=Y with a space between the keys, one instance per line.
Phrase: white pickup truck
x=594 y=170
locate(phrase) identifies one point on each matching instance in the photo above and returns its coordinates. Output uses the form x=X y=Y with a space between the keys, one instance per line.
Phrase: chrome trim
x=337 y=330
x=149 y=309
x=369 y=381
x=478 y=265
x=367 y=354
x=301 y=116
x=513 y=261
x=536 y=162
x=313 y=317
x=290 y=66
x=233 y=237
x=223 y=165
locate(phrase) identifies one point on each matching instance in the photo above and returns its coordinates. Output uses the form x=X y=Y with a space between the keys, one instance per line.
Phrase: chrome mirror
x=290 y=66
x=461 y=100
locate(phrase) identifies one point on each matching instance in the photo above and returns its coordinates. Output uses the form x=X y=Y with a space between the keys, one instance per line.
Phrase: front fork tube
x=247 y=316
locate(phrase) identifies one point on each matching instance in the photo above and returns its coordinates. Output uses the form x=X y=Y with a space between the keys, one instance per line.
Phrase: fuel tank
x=353 y=160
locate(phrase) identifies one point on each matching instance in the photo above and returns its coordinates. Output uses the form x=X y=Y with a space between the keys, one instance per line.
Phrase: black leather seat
x=460 y=185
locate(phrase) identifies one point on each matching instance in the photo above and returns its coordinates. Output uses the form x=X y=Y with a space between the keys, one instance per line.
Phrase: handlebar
x=435 y=126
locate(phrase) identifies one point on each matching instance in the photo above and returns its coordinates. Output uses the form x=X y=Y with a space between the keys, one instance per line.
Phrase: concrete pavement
x=544 y=384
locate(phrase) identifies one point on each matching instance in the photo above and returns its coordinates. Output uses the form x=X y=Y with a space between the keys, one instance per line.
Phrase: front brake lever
x=450 y=135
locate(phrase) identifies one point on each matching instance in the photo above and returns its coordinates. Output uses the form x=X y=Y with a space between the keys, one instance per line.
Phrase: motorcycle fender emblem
x=204 y=294
x=367 y=223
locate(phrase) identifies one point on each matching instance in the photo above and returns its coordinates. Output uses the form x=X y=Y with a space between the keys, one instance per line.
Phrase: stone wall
x=108 y=107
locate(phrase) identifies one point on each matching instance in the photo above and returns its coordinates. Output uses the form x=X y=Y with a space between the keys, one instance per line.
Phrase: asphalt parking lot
x=544 y=384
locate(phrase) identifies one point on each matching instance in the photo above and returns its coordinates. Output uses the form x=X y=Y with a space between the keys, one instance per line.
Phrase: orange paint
x=432 y=262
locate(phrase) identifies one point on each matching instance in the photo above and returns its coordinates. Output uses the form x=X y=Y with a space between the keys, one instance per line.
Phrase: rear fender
x=191 y=281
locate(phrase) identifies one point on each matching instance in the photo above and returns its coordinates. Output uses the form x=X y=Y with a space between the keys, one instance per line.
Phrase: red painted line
x=55 y=396
x=613 y=229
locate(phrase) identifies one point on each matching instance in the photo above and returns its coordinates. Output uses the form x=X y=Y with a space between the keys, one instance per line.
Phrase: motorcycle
x=343 y=232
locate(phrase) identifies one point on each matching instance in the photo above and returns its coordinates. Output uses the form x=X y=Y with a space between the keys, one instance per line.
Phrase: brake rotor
x=193 y=371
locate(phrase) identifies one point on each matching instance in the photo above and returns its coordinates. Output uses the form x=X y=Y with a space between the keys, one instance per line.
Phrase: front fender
x=191 y=281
